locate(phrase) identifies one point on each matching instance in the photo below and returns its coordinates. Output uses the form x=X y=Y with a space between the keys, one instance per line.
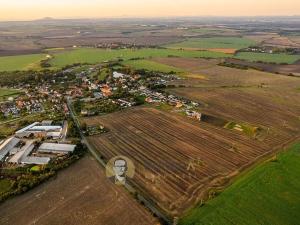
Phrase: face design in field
x=120 y=167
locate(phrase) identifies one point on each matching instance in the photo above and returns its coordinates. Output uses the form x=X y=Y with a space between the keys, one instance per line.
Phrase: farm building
x=22 y=156
x=46 y=122
x=7 y=146
x=39 y=130
x=22 y=153
x=36 y=160
x=194 y=114
x=56 y=148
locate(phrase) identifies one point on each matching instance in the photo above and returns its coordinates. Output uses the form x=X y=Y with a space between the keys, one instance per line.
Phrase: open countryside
x=23 y=62
x=213 y=43
x=265 y=195
x=62 y=200
x=149 y=121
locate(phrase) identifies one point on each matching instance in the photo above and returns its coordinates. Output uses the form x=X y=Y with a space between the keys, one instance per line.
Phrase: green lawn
x=214 y=42
x=21 y=62
x=266 y=57
x=269 y=195
x=6 y=93
x=151 y=66
x=91 y=55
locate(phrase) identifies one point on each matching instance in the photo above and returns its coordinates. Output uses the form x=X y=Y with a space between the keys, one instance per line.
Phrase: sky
x=36 y=9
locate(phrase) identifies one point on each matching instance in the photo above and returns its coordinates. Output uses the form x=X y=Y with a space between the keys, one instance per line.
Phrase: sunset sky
x=34 y=9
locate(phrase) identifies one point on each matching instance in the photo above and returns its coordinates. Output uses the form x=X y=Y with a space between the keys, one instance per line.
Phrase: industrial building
x=37 y=129
x=56 y=148
x=7 y=146
x=21 y=150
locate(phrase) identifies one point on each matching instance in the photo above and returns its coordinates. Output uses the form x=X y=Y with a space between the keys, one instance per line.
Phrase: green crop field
x=269 y=194
x=266 y=57
x=6 y=93
x=21 y=62
x=151 y=66
x=214 y=42
x=91 y=55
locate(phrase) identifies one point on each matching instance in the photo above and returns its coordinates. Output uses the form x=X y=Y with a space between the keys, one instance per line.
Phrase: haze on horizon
x=33 y=9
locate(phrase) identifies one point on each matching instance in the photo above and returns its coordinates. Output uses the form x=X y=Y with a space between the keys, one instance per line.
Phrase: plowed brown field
x=81 y=194
x=177 y=160
x=180 y=160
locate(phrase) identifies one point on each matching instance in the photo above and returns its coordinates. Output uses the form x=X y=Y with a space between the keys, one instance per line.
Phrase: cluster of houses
x=9 y=109
x=260 y=49
x=106 y=90
x=134 y=85
x=33 y=101
x=14 y=108
x=182 y=105
x=27 y=147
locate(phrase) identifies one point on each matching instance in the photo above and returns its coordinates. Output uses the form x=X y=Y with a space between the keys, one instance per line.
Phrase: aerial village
x=39 y=142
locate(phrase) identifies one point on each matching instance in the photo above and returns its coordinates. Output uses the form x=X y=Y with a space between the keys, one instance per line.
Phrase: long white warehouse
x=56 y=148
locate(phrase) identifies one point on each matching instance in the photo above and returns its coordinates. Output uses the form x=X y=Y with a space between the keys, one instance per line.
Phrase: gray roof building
x=56 y=148
x=7 y=146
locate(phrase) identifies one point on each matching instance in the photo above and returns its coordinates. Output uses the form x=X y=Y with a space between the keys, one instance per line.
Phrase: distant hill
x=46 y=19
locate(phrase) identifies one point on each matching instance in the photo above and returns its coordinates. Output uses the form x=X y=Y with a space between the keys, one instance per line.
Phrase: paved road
x=129 y=187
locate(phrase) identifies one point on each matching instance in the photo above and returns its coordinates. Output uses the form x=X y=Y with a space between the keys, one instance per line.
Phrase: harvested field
x=177 y=160
x=273 y=68
x=214 y=43
x=191 y=65
x=274 y=184
x=81 y=194
x=220 y=76
x=261 y=36
x=258 y=98
x=295 y=39
x=224 y=50
x=283 y=42
x=274 y=110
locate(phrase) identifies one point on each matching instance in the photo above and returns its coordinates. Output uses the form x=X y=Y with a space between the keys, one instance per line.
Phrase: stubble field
x=178 y=161
x=163 y=145
x=81 y=194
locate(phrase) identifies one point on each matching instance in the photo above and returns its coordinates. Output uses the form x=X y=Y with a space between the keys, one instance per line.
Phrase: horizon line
x=49 y=18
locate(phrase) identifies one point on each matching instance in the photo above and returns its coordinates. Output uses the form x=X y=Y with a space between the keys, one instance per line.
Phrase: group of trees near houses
x=24 y=178
x=26 y=77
